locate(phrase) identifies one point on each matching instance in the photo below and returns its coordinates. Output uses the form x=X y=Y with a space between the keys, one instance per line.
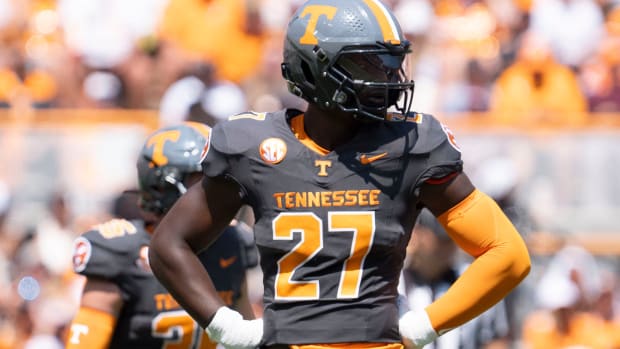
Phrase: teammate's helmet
x=167 y=158
x=347 y=55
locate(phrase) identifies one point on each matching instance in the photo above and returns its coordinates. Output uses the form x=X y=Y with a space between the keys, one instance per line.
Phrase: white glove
x=233 y=332
x=416 y=329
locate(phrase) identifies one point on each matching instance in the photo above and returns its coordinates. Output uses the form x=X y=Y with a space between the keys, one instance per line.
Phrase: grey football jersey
x=150 y=318
x=331 y=229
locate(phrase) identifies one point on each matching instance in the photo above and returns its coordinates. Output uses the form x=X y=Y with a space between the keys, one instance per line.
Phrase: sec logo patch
x=81 y=253
x=272 y=150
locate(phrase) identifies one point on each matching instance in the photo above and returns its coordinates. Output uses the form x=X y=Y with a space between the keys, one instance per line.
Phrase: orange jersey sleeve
x=91 y=328
x=481 y=229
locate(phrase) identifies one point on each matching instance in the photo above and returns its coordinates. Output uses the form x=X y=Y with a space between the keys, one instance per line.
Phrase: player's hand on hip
x=416 y=329
x=233 y=332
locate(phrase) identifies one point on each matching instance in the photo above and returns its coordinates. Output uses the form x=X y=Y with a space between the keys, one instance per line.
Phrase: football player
x=122 y=304
x=336 y=190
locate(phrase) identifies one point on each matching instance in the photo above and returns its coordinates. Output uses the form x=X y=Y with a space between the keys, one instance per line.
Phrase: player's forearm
x=480 y=227
x=489 y=279
x=178 y=268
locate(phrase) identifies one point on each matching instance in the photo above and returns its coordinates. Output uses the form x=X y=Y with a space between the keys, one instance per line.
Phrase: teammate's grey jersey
x=331 y=229
x=150 y=318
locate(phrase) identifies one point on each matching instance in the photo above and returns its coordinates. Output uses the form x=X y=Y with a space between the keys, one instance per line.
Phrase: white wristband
x=230 y=329
x=416 y=328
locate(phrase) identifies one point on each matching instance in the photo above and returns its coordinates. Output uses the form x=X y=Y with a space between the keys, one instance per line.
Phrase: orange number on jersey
x=362 y=224
x=115 y=228
x=180 y=331
x=309 y=226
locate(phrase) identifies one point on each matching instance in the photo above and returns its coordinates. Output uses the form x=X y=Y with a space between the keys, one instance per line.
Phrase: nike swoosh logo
x=227 y=262
x=365 y=159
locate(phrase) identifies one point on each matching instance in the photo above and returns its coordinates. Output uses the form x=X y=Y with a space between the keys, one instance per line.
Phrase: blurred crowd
x=554 y=61
x=525 y=59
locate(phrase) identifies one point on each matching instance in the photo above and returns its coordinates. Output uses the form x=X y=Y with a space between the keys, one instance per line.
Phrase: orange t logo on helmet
x=158 y=141
x=378 y=10
x=315 y=11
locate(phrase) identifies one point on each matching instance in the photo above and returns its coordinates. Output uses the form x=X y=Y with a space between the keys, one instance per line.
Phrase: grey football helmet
x=167 y=159
x=347 y=55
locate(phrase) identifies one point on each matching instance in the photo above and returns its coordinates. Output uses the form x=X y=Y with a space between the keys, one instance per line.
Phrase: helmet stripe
x=388 y=27
x=200 y=127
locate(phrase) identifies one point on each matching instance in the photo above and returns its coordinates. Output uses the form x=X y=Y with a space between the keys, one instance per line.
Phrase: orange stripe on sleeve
x=480 y=228
x=91 y=328
x=442 y=179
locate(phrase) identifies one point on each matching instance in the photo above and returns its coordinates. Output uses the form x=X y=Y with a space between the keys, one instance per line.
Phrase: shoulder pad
x=431 y=134
x=239 y=132
x=233 y=139
x=436 y=143
x=108 y=248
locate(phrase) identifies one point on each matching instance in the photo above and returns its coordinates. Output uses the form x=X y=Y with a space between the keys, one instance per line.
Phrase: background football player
x=123 y=305
x=336 y=190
